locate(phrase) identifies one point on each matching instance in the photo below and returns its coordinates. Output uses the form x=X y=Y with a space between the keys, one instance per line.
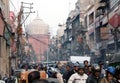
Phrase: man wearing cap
x=79 y=76
x=95 y=77
x=86 y=67
x=76 y=67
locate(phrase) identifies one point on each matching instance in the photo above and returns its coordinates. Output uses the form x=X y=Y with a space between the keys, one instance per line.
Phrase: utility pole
x=22 y=20
x=27 y=6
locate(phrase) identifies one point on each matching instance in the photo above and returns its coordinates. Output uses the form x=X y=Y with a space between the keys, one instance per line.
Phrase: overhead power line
x=13 y=5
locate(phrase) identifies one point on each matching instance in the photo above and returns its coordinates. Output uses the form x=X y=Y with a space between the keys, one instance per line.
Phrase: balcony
x=99 y=6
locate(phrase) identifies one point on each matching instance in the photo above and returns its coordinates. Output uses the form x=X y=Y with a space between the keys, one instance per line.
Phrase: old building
x=92 y=29
x=5 y=38
x=103 y=30
x=73 y=41
x=107 y=29
x=38 y=36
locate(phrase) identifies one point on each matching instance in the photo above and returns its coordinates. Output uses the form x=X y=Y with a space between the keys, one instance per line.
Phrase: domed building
x=38 y=26
x=38 y=36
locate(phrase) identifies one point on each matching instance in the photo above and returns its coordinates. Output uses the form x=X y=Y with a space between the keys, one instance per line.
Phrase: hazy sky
x=52 y=12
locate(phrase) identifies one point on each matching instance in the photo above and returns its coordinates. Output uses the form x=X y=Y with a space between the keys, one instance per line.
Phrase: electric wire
x=13 y=5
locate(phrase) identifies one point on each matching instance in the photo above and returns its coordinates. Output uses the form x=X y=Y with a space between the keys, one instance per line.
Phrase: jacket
x=104 y=80
x=93 y=79
x=76 y=78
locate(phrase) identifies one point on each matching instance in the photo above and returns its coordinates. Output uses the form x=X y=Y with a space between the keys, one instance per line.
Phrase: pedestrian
x=68 y=73
x=52 y=78
x=76 y=67
x=34 y=75
x=110 y=76
x=95 y=76
x=55 y=76
x=5 y=78
x=117 y=73
x=79 y=76
x=90 y=70
x=101 y=64
x=59 y=77
x=86 y=67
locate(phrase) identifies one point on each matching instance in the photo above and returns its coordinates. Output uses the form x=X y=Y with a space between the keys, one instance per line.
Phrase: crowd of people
x=73 y=73
x=77 y=73
x=94 y=73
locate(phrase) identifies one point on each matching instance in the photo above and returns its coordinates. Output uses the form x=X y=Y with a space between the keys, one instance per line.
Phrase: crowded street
x=59 y=41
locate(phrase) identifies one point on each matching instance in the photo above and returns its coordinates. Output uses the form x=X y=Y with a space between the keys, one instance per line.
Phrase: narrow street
x=51 y=37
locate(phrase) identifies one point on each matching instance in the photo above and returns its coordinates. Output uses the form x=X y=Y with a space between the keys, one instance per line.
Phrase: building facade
x=38 y=37
x=103 y=30
x=5 y=38
x=93 y=29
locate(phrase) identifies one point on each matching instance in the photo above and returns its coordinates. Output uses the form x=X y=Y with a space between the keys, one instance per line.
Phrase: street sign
x=115 y=21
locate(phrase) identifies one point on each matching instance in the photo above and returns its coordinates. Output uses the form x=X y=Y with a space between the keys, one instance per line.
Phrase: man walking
x=79 y=76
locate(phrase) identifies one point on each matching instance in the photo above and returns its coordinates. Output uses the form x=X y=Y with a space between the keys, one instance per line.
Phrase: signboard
x=79 y=59
x=115 y=21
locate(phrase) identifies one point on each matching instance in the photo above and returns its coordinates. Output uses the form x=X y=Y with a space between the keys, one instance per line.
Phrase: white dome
x=38 y=26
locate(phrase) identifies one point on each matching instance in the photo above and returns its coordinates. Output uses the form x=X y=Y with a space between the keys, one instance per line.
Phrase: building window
x=91 y=37
x=85 y=22
x=104 y=33
x=91 y=18
x=97 y=33
x=99 y=12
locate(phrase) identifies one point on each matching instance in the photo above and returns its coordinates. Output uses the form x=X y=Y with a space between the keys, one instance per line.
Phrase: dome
x=38 y=26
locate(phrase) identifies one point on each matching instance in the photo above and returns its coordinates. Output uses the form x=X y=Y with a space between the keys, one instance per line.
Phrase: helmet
x=96 y=67
x=70 y=64
x=81 y=66
x=111 y=70
x=100 y=63
x=76 y=64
